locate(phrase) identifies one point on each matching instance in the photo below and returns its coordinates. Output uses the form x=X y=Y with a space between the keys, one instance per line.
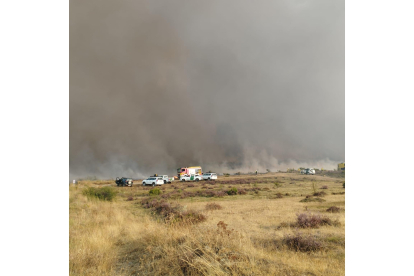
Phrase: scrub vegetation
x=237 y=225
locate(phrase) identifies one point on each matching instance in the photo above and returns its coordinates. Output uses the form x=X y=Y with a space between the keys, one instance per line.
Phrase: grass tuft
x=304 y=242
x=309 y=220
x=312 y=199
x=213 y=206
x=154 y=192
x=333 y=209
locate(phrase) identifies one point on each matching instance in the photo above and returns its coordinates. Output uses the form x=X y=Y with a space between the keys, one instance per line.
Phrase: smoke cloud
x=228 y=85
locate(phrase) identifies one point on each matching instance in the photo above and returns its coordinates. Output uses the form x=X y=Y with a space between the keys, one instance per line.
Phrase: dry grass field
x=202 y=228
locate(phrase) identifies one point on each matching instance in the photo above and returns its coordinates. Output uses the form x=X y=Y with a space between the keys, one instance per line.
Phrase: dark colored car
x=124 y=181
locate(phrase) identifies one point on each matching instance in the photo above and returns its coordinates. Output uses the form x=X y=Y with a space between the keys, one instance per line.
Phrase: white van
x=209 y=176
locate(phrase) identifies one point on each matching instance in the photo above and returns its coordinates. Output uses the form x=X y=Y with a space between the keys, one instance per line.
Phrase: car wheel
x=209 y=178
x=165 y=181
x=153 y=184
x=197 y=180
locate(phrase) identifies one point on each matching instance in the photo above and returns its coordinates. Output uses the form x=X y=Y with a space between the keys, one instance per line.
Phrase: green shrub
x=343 y=185
x=155 y=191
x=104 y=193
x=232 y=191
x=277 y=184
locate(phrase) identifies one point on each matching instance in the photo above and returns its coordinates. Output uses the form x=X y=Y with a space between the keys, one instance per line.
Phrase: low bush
x=304 y=242
x=343 y=185
x=130 y=198
x=232 y=191
x=213 y=206
x=309 y=220
x=324 y=187
x=173 y=213
x=279 y=195
x=190 y=185
x=241 y=192
x=333 y=209
x=277 y=184
x=319 y=194
x=154 y=192
x=312 y=199
x=189 y=217
x=104 y=193
x=340 y=193
x=283 y=224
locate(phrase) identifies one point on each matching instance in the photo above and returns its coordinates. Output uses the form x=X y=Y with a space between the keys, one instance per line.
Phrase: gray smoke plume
x=229 y=85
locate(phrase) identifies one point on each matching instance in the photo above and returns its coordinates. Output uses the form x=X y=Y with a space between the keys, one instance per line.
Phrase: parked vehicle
x=192 y=177
x=308 y=171
x=189 y=171
x=124 y=181
x=153 y=181
x=209 y=176
x=166 y=179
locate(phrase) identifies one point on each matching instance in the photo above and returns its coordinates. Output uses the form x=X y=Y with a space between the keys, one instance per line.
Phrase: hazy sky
x=228 y=85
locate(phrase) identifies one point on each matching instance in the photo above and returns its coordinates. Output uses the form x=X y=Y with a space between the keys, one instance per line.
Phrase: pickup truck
x=153 y=181
x=124 y=181
x=166 y=179
x=209 y=176
x=193 y=177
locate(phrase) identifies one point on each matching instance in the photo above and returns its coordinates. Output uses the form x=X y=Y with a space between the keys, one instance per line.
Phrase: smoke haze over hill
x=228 y=85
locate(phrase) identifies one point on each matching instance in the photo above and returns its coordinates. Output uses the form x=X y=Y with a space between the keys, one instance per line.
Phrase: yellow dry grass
x=122 y=238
